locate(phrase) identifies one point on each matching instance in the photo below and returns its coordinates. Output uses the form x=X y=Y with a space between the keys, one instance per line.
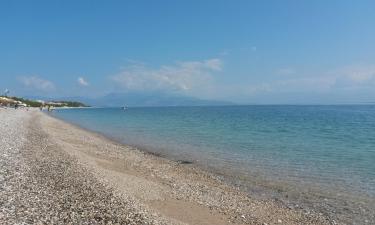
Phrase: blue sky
x=242 y=51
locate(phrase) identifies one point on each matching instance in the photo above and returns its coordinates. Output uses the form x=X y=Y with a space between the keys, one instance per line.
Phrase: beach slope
x=55 y=173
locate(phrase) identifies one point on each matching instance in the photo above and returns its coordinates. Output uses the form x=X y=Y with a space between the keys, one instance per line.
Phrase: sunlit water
x=330 y=148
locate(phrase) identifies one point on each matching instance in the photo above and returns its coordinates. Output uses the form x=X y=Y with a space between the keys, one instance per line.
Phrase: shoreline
x=335 y=204
x=191 y=167
x=157 y=189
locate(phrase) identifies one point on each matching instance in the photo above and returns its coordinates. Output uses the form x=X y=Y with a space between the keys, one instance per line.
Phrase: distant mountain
x=143 y=99
x=151 y=99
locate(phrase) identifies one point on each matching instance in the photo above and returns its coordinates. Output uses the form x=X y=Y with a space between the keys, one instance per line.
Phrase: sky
x=263 y=52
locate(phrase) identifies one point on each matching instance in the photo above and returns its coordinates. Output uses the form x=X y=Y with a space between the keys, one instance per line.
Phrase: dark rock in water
x=184 y=162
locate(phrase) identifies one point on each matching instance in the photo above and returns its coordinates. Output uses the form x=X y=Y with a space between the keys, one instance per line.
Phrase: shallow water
x=328 y=148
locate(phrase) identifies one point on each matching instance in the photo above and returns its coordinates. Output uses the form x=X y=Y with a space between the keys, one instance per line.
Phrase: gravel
x=41 y=184
x=54 y=173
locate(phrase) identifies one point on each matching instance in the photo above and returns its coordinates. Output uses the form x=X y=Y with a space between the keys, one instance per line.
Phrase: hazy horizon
x=247 y=52
x=84 y=99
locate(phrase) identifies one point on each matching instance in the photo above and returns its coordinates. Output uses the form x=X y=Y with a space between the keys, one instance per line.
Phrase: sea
x=318 y=157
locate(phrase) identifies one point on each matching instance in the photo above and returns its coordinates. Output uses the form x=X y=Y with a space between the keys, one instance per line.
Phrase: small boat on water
x=124 y=108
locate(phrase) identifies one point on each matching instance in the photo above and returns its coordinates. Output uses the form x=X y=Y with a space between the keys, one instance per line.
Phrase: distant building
x=40 y=101
x=58 y=104
x=7 y=101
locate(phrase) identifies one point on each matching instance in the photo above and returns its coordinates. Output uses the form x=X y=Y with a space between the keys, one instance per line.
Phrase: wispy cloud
x=182 y=76
x=37 y=83
x=358 y=76
x=351 y=77
x=81 y=81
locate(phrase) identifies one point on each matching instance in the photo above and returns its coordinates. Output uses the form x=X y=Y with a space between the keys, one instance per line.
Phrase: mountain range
x=138 y=99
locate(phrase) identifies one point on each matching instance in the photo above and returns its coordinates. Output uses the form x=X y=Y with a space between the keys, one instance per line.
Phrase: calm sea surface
x=331 y=148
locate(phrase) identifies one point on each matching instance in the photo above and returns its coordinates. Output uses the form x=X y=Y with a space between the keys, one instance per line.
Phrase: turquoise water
x=330 y=147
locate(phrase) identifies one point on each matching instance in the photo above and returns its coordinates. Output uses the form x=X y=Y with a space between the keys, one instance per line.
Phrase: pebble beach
x=53 y=172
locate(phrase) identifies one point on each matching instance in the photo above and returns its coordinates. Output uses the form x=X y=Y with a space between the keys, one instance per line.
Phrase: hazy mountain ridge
x=140 y=99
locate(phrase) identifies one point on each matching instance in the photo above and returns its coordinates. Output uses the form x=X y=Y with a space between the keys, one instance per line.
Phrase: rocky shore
x=55 y=173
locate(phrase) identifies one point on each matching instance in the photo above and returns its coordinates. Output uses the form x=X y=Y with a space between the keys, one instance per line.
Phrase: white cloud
x=37 y=83
x=347 y=78
x=82 y=81
x=359 y=75
x=182 y=76
x=296 y=85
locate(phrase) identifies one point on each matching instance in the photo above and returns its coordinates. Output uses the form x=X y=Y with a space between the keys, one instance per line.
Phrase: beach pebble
x=41 y=184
